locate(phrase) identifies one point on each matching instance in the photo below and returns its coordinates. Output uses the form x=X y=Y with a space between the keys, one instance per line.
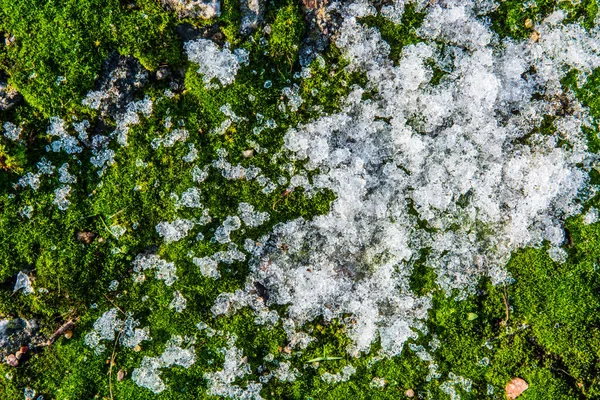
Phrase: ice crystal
x=30 y=179
x=148 y=374
x=213 y=62
x=221 y=383
x=342 y=376
x=65 y=142
x=64 y=175
x=250 y=217
x=27 y=211
x=176 y=135
x=109 y=325
x=60 y=197
x=23 y=282
x=163 y=270
x=191 y=198
x=178 y=303
x=45 y=167
x=12 y=131
x=591 y=216
x=174 y=231
x=429 y=169
x=199 y=175
x=208 y=266
x=192 y=155
x=231 y=223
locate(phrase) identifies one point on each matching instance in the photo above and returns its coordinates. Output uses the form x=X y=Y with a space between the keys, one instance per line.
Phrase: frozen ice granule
x=23 y=282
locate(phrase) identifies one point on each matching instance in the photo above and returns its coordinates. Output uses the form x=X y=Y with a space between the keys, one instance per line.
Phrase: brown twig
x=60 y=331
x=112 y=361
x=507 y=307
x=113 y=303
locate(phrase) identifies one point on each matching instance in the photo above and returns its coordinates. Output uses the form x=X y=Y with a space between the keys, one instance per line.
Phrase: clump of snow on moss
x=251 y=217
x=343 y=376
x=12 y=131
x=215 y=63
x=174 y=231
x=591 y=216
x=60 y=197
x=109 y=325
x=221 y=383
x=164 y=270
x=148 y=374
x=178 y=303
x=453 y=174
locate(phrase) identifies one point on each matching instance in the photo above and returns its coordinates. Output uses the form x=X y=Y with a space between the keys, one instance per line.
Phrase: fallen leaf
x=515 y=387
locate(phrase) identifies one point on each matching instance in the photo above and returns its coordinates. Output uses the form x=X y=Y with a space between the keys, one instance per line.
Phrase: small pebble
x=12 y=360
x=121 y=375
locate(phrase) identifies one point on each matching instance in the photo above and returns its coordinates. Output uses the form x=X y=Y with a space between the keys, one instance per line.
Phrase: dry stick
x=112 y=360
x=113 y=303
x=112 y=357
x=118 y=212
x=106 y=226
x=507 y=308
x=65 y=327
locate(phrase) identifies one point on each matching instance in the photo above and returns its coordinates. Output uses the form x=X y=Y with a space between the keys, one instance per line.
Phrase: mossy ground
x=544 y=328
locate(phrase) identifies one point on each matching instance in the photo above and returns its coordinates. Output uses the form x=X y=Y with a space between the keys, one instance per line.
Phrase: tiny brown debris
x=69 y=334
x=86 y=237
x=535 y=36
x=515 y=387
x=121 y=375
x=21 y=352
x=528 y=23
x=66 y=327
x=9 y=40
x=12 y=360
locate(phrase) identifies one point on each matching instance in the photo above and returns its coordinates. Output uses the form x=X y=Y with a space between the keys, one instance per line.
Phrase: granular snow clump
x=148 y=374
x=23 y=283
x=456 y=174
x=174 y=231
x=178 y=303
x=591 y=216
x=221 y=383
x=164 y=270
x=12 y=131
x=109 y=326
x=222 y=64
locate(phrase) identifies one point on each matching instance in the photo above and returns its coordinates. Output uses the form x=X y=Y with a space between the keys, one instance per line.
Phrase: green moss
x=59 y=48
x=509 y=19
x=543 y=328
x=287 y=30
x=398 y=35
